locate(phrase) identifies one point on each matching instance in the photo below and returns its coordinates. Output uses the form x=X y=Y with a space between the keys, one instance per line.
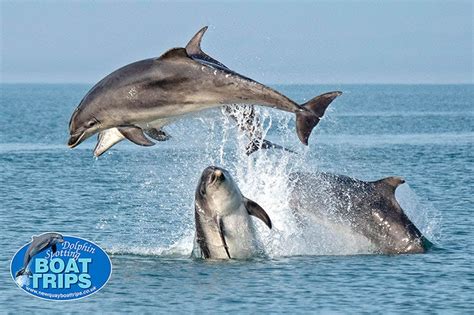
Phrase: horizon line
x=274 y=83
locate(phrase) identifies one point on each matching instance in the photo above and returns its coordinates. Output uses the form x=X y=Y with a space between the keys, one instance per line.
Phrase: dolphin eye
x=91 y=123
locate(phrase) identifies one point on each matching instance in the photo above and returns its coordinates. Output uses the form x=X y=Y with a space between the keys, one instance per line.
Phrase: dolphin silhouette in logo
x=38 y=244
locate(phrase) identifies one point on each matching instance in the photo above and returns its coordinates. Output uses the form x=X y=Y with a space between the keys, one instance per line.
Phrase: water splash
x=423 y=214
x=262 y=177
x=23 y=280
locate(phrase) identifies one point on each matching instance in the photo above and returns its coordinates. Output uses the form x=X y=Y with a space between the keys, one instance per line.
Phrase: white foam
x=181 y=248
x=22 y=280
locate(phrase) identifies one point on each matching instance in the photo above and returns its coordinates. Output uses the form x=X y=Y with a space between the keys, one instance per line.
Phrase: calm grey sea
x=137 y=203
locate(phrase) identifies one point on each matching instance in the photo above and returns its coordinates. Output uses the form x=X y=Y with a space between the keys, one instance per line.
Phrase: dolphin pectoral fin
x=157 y=134
x=135 y=135
x=254 y=209
x=54 y=248
x=307 y=120
x=222 y=234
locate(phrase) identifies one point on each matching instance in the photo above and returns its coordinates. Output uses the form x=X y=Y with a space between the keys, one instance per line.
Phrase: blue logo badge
x=57 y=267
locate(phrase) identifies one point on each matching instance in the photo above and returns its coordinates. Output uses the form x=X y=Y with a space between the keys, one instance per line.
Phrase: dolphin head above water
x=81 y=126
x=217 y=190
x=224 y=229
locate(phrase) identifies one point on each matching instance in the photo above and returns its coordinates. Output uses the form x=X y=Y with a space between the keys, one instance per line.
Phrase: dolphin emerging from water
x=224 y=229
x=38 y=244
x=148 y=94
x=369 y=209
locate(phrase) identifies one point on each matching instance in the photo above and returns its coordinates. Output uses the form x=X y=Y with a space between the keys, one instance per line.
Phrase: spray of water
x=263 y=177
x=22 y=280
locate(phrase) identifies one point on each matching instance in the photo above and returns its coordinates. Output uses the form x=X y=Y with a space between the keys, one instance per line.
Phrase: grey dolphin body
x=39 y=243
x=222 y=214
x=367 y=208
x=146 y=93
x=245 y=119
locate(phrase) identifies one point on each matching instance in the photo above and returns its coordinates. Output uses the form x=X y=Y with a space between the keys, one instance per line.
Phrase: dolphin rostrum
x=143 y=94
x=224 y=229
x=369 y=209
x=38 y=244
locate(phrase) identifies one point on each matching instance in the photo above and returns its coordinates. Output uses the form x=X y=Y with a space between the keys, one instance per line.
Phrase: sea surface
x=137 y=204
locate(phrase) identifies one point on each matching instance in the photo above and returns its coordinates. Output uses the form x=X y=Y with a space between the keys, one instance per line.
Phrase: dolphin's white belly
x=240 y=235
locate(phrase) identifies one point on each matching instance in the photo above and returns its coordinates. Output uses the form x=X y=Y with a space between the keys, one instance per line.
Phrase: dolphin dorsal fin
x=193 y=49
x=174 y=53
x=391 y=182
x=194 y=45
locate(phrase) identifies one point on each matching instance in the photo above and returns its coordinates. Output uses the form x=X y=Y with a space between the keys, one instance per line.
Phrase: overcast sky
x=297 y=42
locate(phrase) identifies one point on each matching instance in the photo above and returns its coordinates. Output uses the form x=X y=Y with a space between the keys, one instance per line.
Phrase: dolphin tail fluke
x=307 y=120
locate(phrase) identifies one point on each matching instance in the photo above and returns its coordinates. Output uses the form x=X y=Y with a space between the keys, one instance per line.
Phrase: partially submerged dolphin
x=38 y=244
x=369 y=209
x=224 y=229
x=147 y=94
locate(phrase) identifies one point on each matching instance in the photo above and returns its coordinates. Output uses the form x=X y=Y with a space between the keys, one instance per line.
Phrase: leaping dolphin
x=149 y=93
x=369 y=209
x=224 y=229
x=38 y=244
x=249 y=123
